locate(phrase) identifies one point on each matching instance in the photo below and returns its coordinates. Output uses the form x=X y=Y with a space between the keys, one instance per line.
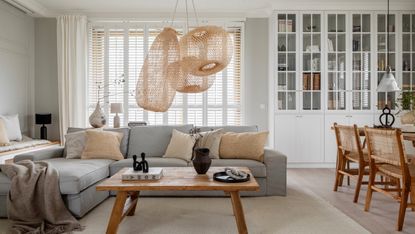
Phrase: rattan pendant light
x=188 y=83
x=206 y=50
x=156 y=85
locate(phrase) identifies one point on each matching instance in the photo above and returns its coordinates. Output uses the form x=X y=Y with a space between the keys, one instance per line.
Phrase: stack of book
x=311 y=81
x=285 y=25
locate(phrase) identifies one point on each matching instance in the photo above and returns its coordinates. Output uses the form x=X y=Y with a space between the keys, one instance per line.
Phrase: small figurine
x=136 y=165
x=143 y=165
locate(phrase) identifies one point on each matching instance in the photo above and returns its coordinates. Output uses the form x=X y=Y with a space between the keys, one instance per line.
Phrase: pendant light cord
x=194 y=10
x=187 y=14
x=187 y=18
x=174 y=13
x=387 y=37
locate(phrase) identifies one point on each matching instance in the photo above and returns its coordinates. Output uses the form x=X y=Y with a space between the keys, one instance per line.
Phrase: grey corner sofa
x=78 y=178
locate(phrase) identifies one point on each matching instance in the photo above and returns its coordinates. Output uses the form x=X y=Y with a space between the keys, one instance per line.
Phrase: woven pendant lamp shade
x=188 y=83
x=156 y=85
x=205 y=50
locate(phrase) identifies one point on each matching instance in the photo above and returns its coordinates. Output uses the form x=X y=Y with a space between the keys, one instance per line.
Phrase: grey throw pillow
x=75 y=144
x=210 y=140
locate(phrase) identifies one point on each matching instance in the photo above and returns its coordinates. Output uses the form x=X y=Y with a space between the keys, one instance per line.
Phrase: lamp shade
x=388 y=83
x=43 y=118
x=116 y=108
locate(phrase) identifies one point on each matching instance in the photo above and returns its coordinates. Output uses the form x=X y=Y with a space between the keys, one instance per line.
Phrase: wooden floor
x=382 y=216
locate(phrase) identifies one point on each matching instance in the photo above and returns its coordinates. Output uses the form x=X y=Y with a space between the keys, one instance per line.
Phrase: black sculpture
x=143 y=165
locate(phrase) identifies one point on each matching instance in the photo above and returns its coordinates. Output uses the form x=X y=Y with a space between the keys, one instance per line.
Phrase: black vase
x=201 y=161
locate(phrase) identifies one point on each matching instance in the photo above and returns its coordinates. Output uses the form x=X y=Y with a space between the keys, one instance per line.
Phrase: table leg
x=238 y=212
x=117 y=212
x=133 y=200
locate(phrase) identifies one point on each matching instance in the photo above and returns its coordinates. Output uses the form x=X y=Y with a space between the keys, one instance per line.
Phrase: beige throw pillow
x=247 y=145
x=4 y=139
x=210 y=140
x=102 y=145
x=180 y=146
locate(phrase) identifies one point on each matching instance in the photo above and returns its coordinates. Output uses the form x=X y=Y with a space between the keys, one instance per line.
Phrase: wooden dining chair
x=387 y=157
x=349 y=151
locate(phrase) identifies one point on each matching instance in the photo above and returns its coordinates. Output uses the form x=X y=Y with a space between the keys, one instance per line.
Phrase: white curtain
x=72 y=41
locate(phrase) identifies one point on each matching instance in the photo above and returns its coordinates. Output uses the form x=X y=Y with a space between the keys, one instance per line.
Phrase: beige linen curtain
x=72 y=41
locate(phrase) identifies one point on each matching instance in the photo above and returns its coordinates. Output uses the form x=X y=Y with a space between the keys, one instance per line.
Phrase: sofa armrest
x=276 y=167
x=55 y=152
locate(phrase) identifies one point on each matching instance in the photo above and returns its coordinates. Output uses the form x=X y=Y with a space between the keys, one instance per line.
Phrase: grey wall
x=256 y=72
x=16 y=65
x=46 y=74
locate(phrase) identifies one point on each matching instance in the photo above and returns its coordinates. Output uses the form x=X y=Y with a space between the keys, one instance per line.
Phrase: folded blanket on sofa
x=34 y=203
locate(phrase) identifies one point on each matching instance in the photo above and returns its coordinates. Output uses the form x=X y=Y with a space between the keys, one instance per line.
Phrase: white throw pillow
x=75 y=144
x=180 y=146
x=12 y=124
x=4 y=139
x=210 y=140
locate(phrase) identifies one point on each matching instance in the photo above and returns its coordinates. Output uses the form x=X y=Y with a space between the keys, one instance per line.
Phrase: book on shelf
x=311 y=81
x=154 y=173
x=331 y=104
x=330 y=45
x=316 y=82
x=285 y=25
x=306 y=81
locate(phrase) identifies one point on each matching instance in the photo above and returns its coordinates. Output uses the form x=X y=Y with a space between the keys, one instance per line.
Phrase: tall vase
x=202 y=161
x=97 y=118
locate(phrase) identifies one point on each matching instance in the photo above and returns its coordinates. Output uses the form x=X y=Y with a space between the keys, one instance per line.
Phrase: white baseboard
x=311 y=165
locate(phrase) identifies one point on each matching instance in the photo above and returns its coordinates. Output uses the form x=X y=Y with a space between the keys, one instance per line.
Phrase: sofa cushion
x=124 y=141
x=76 y=175
x=252 y=128
x=153 y=140
x=152 y=162
x=258 y=169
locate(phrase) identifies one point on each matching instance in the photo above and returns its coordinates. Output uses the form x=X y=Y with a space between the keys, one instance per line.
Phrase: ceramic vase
x=97 y=118
x=201 y=161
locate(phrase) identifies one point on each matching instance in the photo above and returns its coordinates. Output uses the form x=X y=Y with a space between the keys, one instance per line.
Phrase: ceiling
x=245 y=8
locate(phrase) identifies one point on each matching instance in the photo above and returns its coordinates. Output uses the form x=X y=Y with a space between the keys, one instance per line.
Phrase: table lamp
x=116 y=108
x=43 y=119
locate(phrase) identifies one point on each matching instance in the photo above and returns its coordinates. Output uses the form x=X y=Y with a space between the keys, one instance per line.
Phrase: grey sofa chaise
x=78 y=178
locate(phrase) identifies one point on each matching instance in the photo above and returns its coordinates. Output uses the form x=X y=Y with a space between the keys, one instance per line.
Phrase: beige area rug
x=300 y=212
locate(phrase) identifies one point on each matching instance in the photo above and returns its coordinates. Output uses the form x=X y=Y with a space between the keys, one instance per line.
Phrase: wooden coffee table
x=174 y=178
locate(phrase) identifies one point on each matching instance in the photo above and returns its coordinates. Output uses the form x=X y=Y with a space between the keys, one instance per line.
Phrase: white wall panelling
x=17 y=65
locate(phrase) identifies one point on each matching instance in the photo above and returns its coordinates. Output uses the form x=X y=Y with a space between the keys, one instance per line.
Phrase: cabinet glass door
x=311 y=58
x=361 y=47
x=408 y=55
x=383 y=59
x=286 y=62
x=336 y=61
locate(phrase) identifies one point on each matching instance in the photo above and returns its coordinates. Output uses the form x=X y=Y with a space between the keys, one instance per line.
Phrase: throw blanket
x=34 y=202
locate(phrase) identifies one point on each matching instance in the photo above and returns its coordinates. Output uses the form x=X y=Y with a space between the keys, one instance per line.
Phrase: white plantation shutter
x=135 y=62
x=115 y=86
x=96 y=66
x=116 y=55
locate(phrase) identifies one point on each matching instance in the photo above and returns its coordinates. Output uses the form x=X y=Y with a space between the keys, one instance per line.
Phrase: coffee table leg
x=238 y=212
x=133 y=202
x=117 y=212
